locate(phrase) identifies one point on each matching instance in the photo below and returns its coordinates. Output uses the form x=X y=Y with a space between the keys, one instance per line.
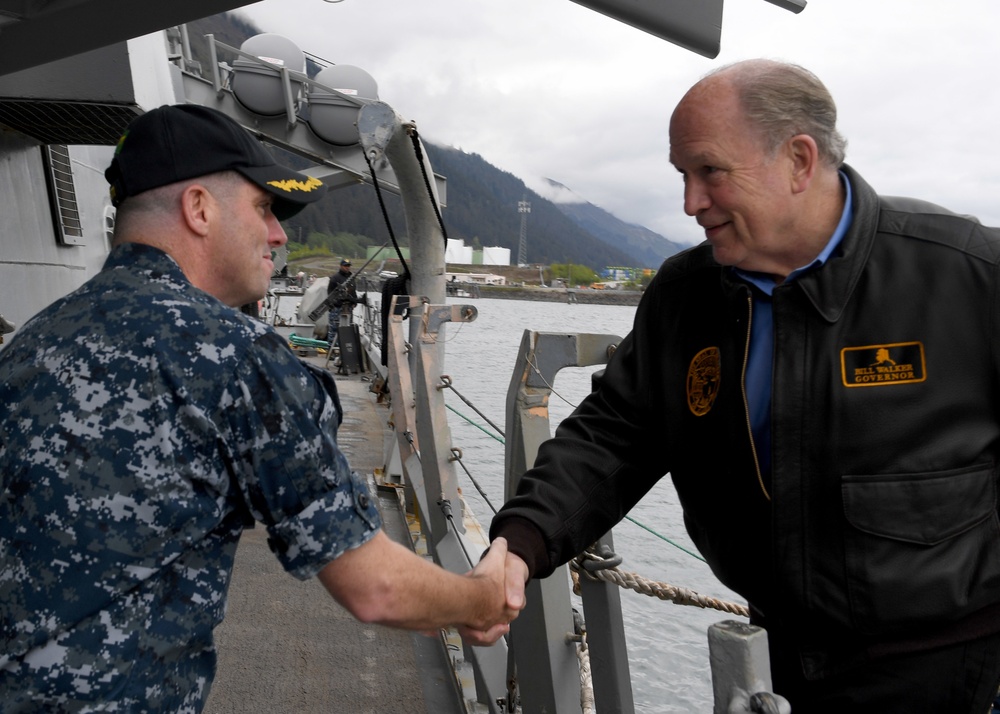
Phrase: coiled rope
x=604 y=567
x=586 y=680
x=579 y=636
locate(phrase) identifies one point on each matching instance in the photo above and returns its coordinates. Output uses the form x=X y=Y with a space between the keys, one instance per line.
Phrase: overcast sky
x=550 y=89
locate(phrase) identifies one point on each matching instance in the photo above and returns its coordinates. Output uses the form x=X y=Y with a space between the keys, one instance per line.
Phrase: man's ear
x=198 y=208
x=804 y=155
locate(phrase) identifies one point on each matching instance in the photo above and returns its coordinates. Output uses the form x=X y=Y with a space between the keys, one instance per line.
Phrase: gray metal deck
x=287 y=646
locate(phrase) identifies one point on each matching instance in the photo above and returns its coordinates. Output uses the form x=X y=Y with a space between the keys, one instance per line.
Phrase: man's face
x=345 y=269
x=247 y=233
x=736 y=190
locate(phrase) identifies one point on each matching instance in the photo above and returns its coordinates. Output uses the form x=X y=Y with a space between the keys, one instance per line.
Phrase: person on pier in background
x=820 y=379
x=345 y=297
x=145 y=422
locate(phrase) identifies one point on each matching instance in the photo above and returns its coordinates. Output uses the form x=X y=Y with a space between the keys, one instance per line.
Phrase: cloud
x=552 y=89
x=556 y=192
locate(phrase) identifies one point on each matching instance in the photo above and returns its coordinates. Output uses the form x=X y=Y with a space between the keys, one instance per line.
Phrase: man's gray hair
x=784 y=100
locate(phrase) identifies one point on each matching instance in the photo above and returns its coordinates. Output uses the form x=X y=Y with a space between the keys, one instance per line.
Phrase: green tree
x=303 y=252
x=347 y=245
x=572 y=274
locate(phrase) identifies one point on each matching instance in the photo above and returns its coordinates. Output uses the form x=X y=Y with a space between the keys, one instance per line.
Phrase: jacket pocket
x=920 y=548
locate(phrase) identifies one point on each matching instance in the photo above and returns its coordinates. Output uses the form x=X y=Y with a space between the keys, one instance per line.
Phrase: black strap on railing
x=415 y=138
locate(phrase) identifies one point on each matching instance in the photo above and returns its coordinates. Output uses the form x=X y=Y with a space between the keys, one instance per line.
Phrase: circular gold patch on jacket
x=703 y=378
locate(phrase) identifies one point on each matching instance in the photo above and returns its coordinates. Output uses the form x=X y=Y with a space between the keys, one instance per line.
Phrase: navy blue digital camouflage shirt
x=143 y=424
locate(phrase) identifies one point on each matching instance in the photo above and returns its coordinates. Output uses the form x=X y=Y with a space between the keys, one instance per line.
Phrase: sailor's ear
x=198 y=209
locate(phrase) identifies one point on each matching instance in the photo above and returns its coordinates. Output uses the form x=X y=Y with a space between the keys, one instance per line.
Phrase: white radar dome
x=332 y=117
x=257 y=86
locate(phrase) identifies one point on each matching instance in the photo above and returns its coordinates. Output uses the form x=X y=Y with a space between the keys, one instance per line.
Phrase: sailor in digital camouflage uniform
x=144 y=422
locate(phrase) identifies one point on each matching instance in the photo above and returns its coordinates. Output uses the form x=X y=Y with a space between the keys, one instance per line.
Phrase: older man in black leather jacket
x=820 y=378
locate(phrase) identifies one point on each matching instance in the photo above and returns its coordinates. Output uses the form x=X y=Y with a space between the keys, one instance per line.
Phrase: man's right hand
x=515 y=577
x=507 y=573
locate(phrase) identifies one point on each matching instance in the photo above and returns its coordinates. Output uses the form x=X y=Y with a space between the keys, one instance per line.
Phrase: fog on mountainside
x=482 y=201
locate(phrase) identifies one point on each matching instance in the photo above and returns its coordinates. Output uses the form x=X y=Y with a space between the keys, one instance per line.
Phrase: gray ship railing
x=555 y=662
x=547 y=665
x=543 y=638
x=539 y=670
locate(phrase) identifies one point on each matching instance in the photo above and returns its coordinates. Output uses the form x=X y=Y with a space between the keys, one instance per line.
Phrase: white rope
x=663 y=591
x=586 y=681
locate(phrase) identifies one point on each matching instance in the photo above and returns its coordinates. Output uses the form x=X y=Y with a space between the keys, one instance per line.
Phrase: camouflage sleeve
x=287 y=466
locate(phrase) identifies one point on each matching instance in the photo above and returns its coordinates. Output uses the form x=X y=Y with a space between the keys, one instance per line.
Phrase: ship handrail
x=538 y=668
x=546 y=670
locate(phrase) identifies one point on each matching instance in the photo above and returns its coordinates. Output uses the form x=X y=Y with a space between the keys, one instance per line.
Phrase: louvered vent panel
x=62 y=191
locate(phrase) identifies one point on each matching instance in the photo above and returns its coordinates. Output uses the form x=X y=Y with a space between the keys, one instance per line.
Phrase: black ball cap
x=176 y=143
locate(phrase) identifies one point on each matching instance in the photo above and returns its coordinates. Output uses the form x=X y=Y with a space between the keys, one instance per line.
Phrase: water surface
x=668 y=651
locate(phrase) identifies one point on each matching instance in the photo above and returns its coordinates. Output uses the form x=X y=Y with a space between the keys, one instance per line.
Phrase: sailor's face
x=249 y=233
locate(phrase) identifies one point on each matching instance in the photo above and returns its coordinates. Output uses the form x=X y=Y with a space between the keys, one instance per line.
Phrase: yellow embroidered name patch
x=290 y=185
x=882 y=365
x=703 y=377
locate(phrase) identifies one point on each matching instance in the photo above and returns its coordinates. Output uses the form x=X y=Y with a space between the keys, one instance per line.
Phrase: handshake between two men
x=382 y=581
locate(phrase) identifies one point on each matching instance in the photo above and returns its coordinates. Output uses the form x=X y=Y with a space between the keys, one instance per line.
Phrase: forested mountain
x=482 y=203
x=647 y=247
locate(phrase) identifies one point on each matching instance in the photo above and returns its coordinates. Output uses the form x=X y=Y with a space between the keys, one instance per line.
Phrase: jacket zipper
x=746 y=403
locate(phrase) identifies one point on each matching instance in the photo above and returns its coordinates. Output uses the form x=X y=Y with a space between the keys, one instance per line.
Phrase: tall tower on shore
x=524 y=208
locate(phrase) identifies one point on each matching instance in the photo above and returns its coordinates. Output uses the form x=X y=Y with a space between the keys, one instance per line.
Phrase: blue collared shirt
x=759 y=363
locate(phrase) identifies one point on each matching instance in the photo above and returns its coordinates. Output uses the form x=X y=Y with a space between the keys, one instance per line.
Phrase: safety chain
x=604 y=567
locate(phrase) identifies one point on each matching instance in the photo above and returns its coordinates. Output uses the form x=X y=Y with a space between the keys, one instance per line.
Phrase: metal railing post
x=741 y=670
x=547 y=669
x=416 y=367
x=602 y=611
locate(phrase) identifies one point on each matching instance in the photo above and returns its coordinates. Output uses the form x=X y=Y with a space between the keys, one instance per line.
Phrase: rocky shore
x=587 y=297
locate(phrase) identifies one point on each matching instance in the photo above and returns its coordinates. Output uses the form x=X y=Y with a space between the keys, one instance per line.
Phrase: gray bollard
x=741 y=670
